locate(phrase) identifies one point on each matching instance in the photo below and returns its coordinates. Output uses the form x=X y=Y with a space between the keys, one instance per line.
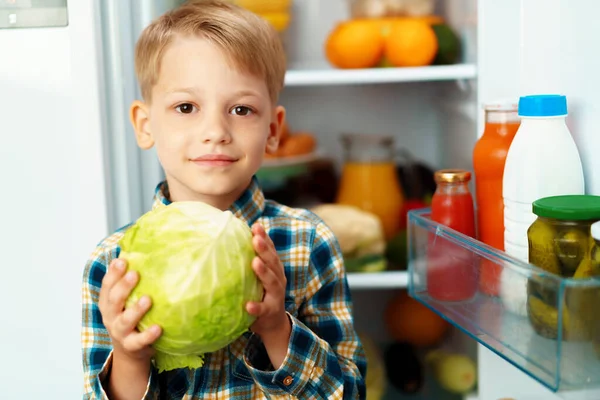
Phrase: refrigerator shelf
x=563 y=360
x=378 y=280
x=325 y=75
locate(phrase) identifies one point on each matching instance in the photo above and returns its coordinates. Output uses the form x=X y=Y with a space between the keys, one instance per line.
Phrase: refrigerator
x=73 y=172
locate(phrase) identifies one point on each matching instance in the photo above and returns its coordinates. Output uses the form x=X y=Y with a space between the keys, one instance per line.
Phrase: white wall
x=52 y=205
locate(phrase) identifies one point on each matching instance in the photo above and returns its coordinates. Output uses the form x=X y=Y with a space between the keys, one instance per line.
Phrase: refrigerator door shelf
x=561 y=364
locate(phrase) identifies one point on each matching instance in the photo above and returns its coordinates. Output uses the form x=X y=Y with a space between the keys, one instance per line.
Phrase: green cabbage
x=194 y=261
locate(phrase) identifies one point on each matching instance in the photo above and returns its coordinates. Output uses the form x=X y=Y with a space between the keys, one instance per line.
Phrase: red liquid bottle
x=452 y=273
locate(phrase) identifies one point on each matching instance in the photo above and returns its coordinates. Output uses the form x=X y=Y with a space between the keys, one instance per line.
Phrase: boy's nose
x=216 y=131
x=217 y=136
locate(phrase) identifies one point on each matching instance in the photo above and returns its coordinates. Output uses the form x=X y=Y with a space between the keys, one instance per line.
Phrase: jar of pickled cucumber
x=560 y=242
x=595 y=233
x=595 y=255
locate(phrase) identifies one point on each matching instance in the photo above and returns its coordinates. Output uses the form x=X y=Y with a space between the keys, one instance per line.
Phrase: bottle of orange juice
x=369 y=180
x=489 y=156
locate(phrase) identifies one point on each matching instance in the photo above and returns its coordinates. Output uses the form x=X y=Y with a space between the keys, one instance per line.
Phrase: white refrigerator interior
x=73 y=172
x=53 y=207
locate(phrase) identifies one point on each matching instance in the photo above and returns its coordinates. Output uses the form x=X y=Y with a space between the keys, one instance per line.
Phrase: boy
x=210 y=75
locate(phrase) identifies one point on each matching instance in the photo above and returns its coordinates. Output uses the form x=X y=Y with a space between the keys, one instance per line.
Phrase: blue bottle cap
x=543 y=105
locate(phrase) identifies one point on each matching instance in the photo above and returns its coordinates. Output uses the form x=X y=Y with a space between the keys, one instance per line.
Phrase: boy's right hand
x=121 y=323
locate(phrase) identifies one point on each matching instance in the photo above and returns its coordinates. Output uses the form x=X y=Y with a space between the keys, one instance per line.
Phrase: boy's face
x=210 y=123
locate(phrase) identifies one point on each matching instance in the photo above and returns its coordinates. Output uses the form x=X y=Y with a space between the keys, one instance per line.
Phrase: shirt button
x=288 y=380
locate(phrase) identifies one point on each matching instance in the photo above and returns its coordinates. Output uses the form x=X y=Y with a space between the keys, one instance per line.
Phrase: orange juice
x=488 y=159
x=373 y=187
x=489 y=156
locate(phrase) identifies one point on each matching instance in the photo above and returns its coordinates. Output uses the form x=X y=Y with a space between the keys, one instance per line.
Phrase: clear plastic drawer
x=545 y=325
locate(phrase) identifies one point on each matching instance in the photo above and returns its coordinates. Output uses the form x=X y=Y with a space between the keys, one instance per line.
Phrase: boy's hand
x=272 y=318
x=121 y=323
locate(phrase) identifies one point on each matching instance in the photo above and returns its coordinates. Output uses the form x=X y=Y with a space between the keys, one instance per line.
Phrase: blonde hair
x=247 y=40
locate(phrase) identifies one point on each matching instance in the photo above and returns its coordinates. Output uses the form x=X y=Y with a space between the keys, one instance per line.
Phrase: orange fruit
x=408 y=320
x=410 y=43
x=430 y=19
x=354 y=44
x=298 y=144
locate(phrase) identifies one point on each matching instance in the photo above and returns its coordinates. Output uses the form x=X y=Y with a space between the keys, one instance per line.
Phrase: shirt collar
x=248 y=207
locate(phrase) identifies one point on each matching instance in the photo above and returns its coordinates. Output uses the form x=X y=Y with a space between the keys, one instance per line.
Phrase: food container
x=369 y=179
x=595 y=233
x=560 y=242
x=595 y=255
x=449 y=274
x=277 y=12
x=390 y=8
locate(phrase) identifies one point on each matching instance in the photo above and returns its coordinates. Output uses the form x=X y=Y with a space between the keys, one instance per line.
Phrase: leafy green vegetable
x=194 y=262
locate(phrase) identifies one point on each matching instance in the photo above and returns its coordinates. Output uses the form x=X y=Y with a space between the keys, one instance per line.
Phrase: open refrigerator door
x=541 y=47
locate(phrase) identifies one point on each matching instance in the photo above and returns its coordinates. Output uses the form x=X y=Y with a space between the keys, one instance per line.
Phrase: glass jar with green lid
x=560 y=238
x=561 y=243
x=595 y=232
x=595 y=255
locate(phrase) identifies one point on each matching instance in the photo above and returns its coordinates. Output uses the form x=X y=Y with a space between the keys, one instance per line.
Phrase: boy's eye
x=241 y=110
x=185 y=108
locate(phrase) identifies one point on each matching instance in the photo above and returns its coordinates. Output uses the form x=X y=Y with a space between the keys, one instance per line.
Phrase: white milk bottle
x=542 y=161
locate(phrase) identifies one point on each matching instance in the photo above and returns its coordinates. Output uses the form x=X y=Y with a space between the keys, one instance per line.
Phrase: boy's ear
x=275 y=129
x=139 y=116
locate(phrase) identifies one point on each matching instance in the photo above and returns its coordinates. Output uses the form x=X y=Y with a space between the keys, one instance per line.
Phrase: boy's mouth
x=214 y=160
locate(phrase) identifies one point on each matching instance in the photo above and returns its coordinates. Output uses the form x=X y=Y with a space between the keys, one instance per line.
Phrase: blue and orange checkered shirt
x=325 y=358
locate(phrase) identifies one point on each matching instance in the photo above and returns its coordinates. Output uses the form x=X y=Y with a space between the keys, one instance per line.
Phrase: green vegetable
x=449 y=45
x=194 y=261
x=369 y=263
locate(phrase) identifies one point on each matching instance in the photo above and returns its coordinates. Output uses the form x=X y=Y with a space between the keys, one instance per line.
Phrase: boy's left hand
x=271 y=314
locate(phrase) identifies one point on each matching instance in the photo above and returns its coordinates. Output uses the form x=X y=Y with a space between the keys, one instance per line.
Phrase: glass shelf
x=325 y=75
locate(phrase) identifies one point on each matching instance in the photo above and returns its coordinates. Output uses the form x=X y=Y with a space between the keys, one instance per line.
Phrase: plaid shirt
x=325 y=359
